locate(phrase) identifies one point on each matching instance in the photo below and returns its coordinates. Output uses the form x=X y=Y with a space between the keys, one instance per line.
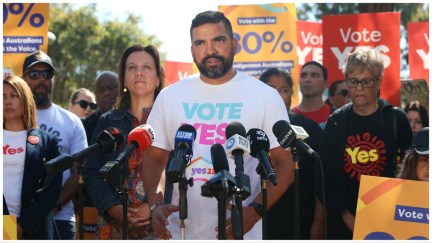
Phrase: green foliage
x=84 y=46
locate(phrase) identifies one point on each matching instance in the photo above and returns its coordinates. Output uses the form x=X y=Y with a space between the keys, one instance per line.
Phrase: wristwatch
x=258 y=208
x=153 y=207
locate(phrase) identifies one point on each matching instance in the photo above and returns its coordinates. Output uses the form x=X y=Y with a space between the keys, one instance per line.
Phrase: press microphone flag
x=107 y=141
x=260 y=145
x=141 y=137
x=236 y=146
x=289 y=135
x=183 y=146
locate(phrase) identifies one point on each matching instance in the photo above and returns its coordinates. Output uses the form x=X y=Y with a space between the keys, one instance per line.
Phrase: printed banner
x=414 y=90
x=267 y=37
x=309 y=42
x=25 y=30
x=174 y=71
x=392 y=209
x=9 y=227
x=344 y=33
x=418 y=50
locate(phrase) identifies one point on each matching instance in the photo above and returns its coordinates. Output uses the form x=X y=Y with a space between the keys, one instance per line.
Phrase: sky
x=169 y=21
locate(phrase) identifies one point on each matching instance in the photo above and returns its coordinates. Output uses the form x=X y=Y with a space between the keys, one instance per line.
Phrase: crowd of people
x=354 y=131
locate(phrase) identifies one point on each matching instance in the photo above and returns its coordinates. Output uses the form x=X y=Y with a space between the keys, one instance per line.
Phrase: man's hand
x=159 y=219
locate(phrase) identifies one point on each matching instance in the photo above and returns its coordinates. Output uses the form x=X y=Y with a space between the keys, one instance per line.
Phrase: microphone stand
x=296 y=193
x=183 y=186
x=264 y=179
x=80 y=168
x=124 y=178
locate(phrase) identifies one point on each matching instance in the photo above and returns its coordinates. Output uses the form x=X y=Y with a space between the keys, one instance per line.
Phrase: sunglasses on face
x=343 y=92
x=84 y=104
x=35 y=74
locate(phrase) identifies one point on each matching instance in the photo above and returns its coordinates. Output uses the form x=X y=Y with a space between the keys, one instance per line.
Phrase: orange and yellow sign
x=392 y=209
x=266 y=37
x=25 y=30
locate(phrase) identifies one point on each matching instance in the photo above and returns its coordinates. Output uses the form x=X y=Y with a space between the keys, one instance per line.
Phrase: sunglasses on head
x=343 y=92
x=35 y=74
x=84 y=104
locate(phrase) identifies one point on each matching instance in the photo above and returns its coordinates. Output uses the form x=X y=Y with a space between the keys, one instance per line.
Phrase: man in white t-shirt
x=209 y=101
x=38 y=72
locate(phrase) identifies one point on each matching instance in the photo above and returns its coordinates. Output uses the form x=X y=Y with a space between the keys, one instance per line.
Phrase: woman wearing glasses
x=28 y=192
x=365 y=137
x=82 y=103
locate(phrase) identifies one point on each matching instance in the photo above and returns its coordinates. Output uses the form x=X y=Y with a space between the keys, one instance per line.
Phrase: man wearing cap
x=38 y=72
x=415 y=165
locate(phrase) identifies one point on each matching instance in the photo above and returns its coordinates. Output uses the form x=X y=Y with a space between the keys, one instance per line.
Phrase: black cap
x=420 y=141
x=37 y=57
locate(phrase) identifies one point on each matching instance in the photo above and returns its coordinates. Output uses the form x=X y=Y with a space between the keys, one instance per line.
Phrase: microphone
x=260 y=145
x=235 y=146
x=140 y=137
x=222 y=186
x=222 y=182
x=289 y=135
x=183 y=143
x=108 y=141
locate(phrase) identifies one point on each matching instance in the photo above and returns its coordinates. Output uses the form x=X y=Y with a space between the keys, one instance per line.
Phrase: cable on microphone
x=260 y=145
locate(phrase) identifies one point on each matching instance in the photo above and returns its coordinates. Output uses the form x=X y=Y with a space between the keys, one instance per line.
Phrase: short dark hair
x=265 y=77
x=213 y=17
x=333 y=87
x=323 y=69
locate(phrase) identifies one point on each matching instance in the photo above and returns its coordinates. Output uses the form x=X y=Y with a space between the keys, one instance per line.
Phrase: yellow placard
x=9 y=227
x=25 y=30
x=266 y=37
x=392 y=209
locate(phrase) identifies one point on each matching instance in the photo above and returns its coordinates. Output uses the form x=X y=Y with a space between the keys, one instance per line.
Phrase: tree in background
x=84 y=46
x=410 y=12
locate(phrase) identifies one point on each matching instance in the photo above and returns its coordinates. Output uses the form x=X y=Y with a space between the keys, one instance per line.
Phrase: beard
x=42 y=98
x=215 y=72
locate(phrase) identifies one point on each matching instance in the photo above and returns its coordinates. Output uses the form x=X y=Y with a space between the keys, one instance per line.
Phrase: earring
x=124 y=90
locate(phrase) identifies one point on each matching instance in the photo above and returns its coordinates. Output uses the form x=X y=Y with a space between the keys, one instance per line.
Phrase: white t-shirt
x=210 y=108
x=14 y=151
x=69 y=130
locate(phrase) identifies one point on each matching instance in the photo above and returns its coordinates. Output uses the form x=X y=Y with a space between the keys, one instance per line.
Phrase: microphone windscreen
x=143 y=135
x=279 y=127
x=219 y=159
x=188 y=128
x=111 y=139
x=235 y=128
x=258 y=140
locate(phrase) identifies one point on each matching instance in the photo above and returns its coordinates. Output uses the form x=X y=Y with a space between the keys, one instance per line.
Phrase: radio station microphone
x=260 y=146
x=141 y=137
x=183 y=145
x=108 y=141
x=236 y=146
x=290 y=135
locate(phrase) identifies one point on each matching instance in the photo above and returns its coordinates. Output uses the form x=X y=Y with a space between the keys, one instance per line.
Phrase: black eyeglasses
x=84 y=104
x=35 y=74
x=343 y=92
x=365 y=82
